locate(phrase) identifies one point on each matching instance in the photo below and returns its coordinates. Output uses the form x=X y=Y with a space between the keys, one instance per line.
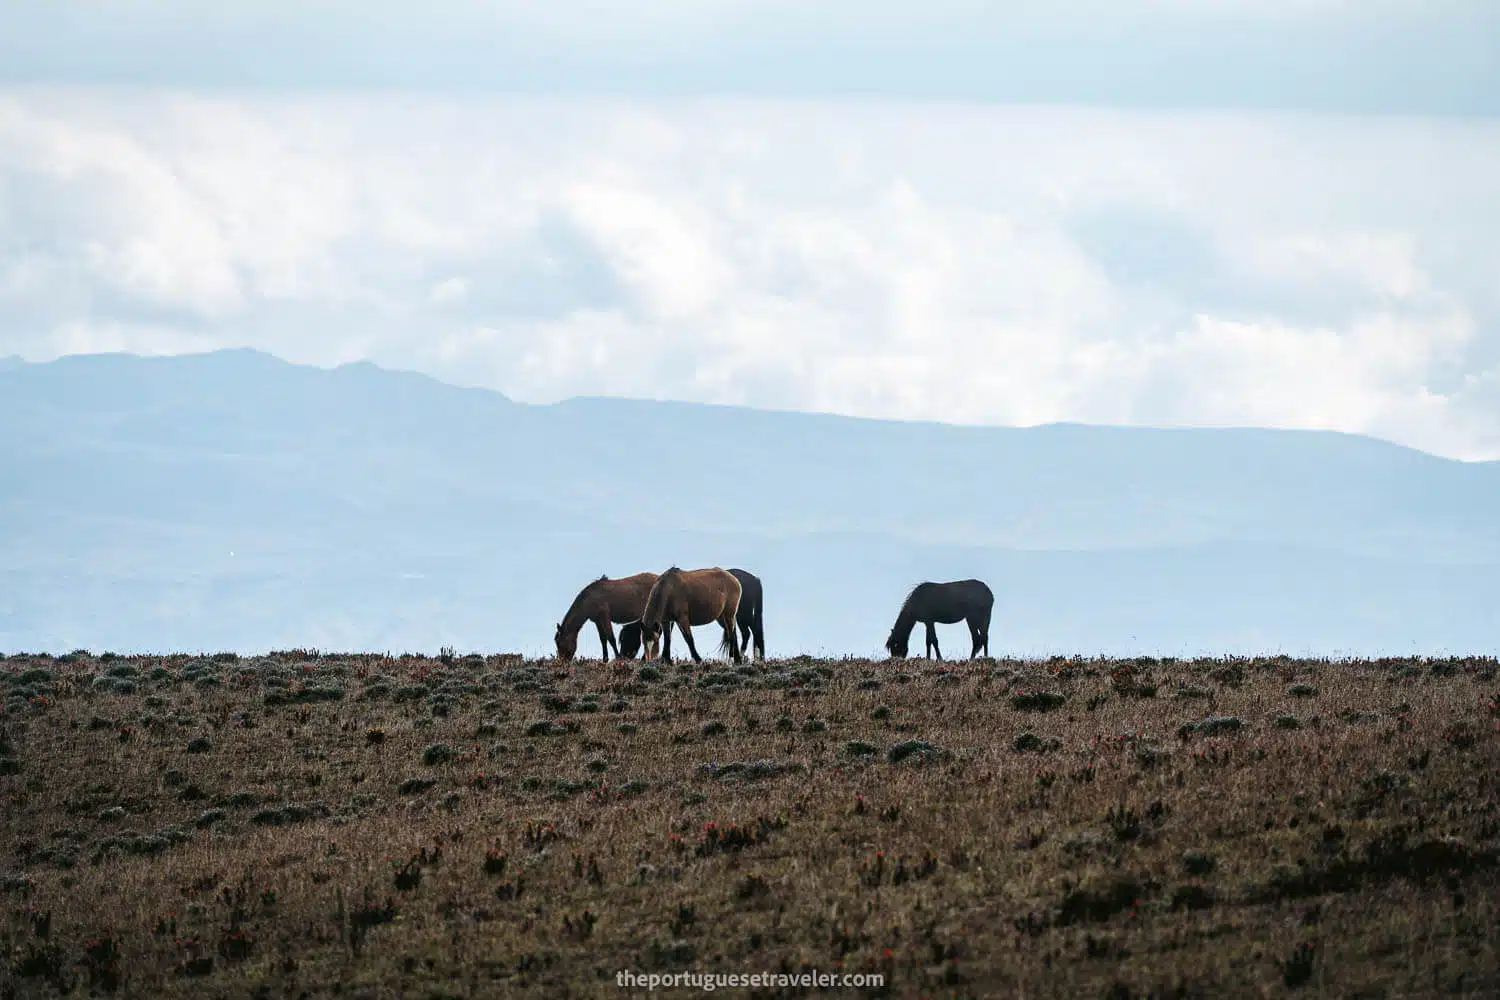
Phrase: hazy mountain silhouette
x=366 y=508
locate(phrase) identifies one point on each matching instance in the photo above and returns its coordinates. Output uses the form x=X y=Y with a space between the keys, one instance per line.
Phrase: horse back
x=626 y=597
x=951 y=602
x=708 y=592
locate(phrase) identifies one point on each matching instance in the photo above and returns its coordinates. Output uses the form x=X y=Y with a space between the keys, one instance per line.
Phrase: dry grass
x=306 y=825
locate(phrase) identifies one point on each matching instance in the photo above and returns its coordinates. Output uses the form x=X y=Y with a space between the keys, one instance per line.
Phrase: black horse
x=959 y=601
x=749 y=618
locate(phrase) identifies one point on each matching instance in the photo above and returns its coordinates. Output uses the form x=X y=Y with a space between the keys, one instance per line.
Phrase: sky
x=1158 y=212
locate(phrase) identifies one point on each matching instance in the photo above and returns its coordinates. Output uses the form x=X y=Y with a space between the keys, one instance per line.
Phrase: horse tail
x=758 y=626
x=734 y=595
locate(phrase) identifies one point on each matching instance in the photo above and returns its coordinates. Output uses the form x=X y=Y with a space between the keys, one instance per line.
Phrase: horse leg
x=932 y=639
x=666 y=641
x=687 y=633
x=606 y=637
x=975 y=634
x=732 y=639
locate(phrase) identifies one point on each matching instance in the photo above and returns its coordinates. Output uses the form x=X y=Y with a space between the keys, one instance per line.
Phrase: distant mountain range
x=235 y=501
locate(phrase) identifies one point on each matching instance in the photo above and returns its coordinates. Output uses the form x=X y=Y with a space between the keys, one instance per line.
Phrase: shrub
x=916 y=751
x=1037 y=701
x=437 y=753
x=1214 y=725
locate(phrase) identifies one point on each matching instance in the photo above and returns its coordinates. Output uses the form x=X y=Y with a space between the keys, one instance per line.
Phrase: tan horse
x=603 y=602
x=692 y=597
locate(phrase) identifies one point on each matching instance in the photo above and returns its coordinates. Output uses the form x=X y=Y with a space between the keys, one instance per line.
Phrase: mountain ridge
x=165 y=465
x=371 y=367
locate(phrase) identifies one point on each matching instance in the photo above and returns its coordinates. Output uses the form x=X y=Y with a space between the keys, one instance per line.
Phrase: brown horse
x=692 y=597
x=603 y=602
x=750 y=616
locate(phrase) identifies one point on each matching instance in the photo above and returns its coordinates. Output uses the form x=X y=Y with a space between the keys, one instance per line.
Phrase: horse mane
x=583 y=595
x=658 y=595
x=910 y=594
x=905 y=618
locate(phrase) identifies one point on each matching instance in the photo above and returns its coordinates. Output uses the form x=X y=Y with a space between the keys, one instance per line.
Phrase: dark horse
x=929 y=603
x=750 y=618
x=603 y=602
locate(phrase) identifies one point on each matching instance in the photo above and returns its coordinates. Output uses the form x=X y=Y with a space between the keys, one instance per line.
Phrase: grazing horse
x=750 y=618
x=603 y=602
x=968 y=601
x=692 y=597
x=630 y=641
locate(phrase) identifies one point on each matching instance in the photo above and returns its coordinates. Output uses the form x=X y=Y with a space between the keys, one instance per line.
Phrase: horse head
x=567 y=645
x=630 y=640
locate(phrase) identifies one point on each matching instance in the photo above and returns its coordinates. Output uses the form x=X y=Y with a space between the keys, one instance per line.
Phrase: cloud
x=966 y=263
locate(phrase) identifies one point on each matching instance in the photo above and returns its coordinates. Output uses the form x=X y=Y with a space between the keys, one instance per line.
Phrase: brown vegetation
x=304 y=824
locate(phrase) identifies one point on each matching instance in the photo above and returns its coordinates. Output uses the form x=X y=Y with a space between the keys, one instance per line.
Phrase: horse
x=692 y=597
x=603 y=602
x=968 y=601
x=750 y=618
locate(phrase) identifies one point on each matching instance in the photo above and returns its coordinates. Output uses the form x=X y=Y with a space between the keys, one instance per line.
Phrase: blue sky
x=1162 y=212
x=1381 y=56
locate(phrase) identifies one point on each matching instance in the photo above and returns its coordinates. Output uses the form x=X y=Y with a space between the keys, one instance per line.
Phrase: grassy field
x=305 y=825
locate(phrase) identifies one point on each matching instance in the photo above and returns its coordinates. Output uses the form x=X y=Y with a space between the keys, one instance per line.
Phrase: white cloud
x=1009 y=265
x=449 y=290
